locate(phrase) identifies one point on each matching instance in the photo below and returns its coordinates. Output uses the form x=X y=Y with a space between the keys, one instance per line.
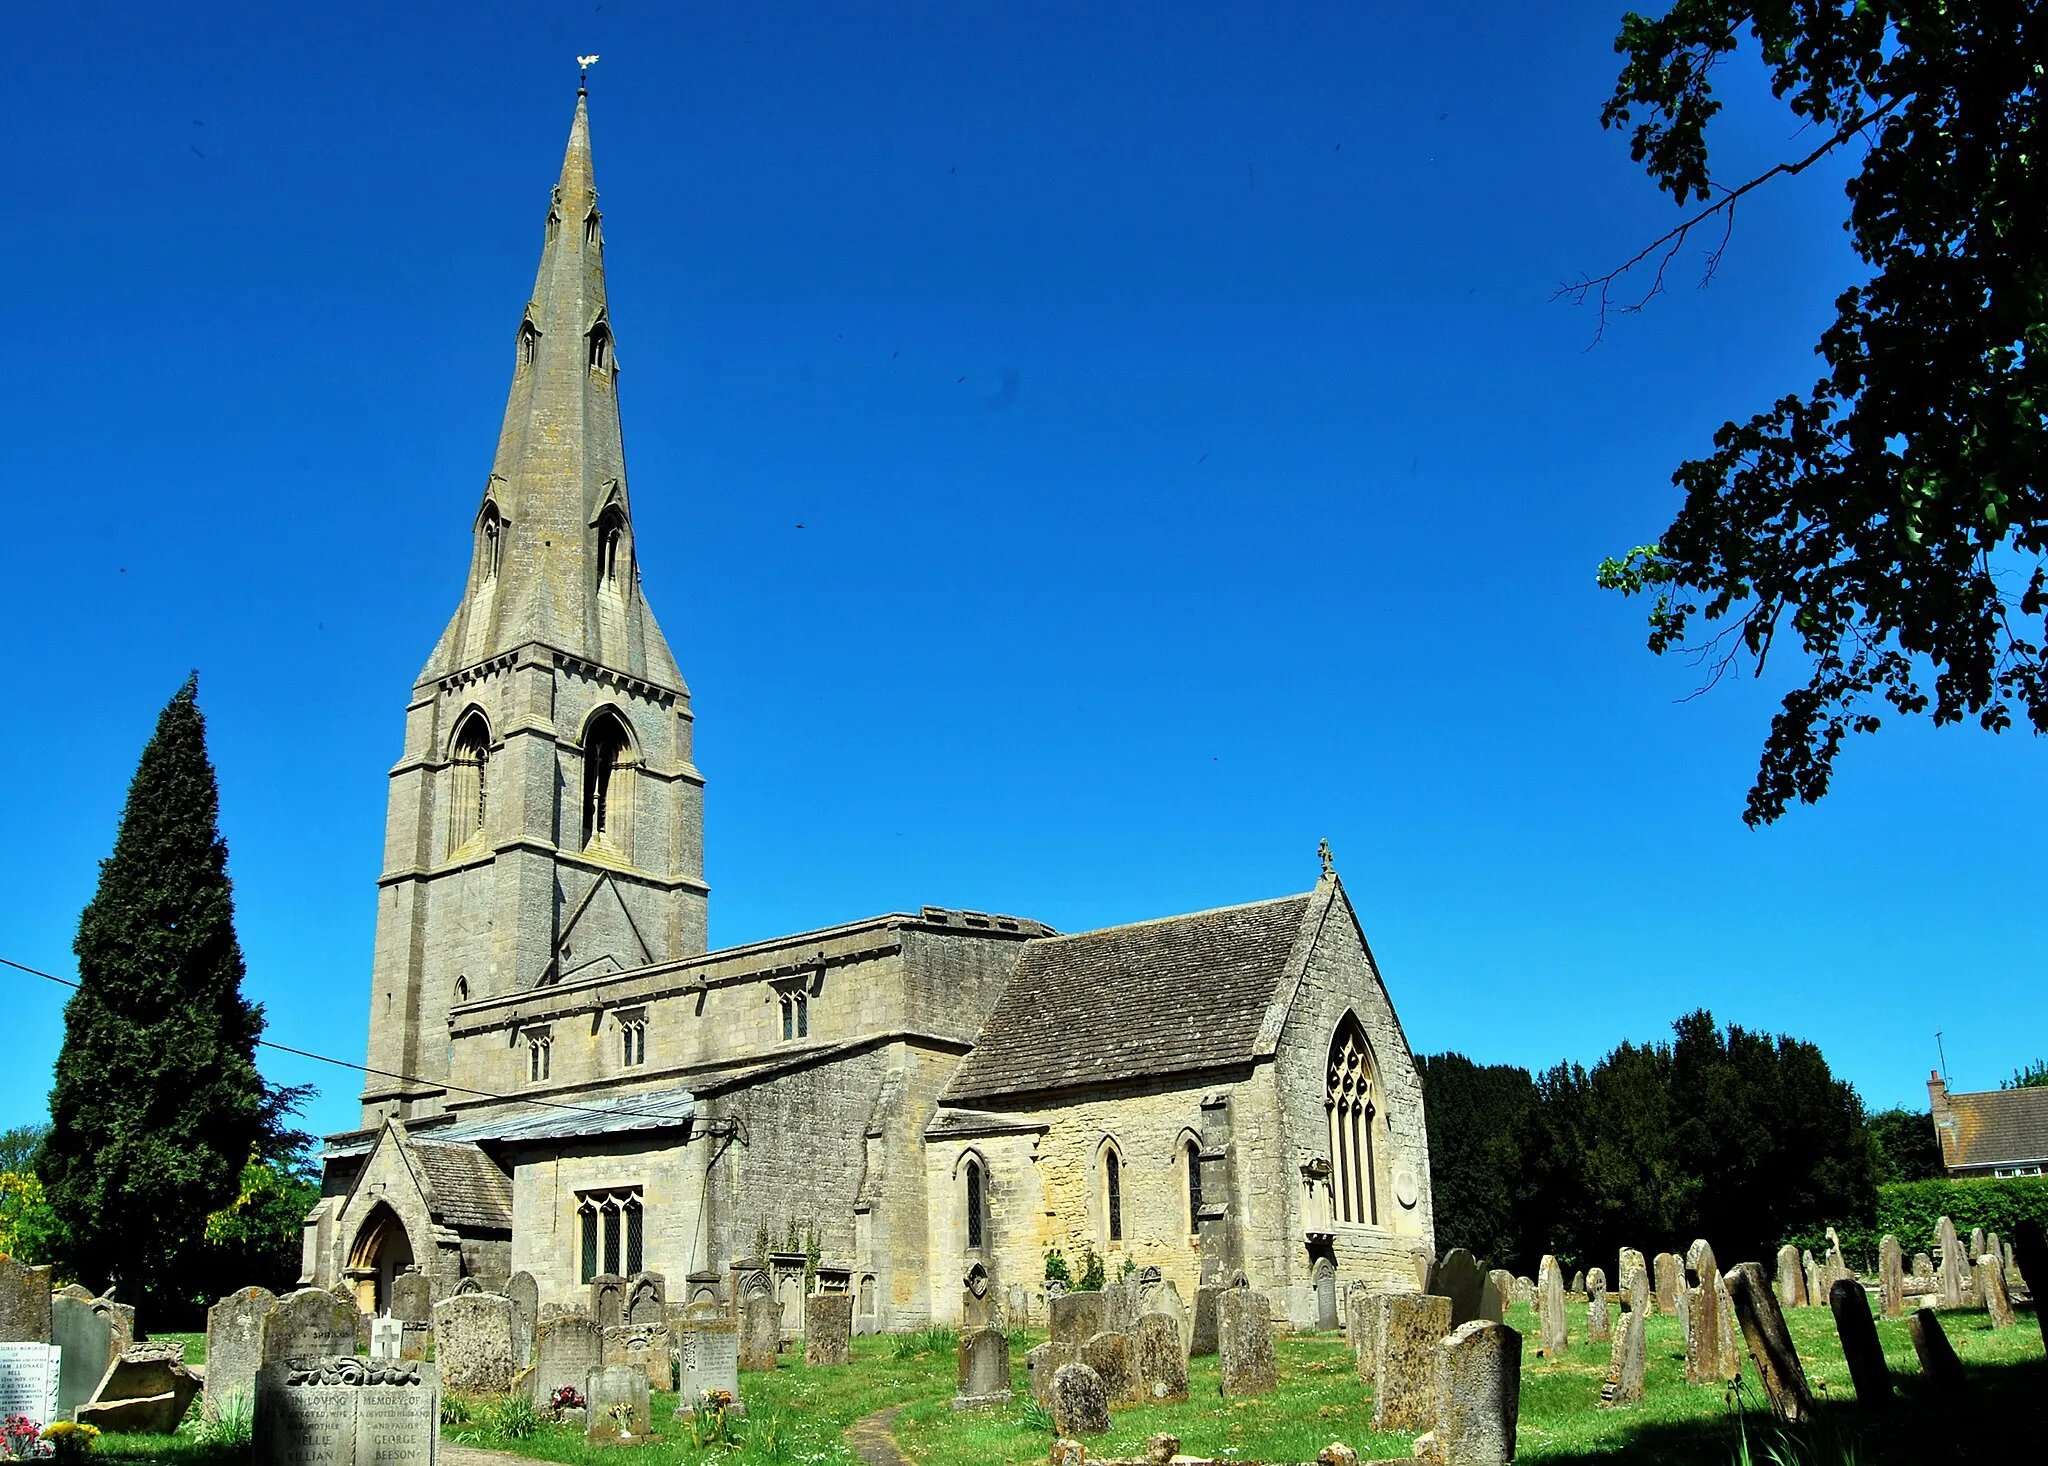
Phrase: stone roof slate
x=470 y=1188
x=1130 y=1002
x=1999 y=1127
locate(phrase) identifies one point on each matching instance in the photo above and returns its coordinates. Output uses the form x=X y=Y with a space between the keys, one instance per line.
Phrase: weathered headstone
x=524 y=1291
x=24 y=1303
x=1525 y=1292
x=1109 y=1355
x=1016 y=1306
x=1702 y=1316
x=1923 y=1265
x=2030 y=1256
x=566 y=1347
x=1952 y=1266
x=1627 y=1265
x=615 y=1403
x=647 y=1299
x=387 y=1338
x=1121 y=1301
x=977 y=1299
x=309 y=1324
x=1731 y=1334
x=412 y=1299
x=1577 y=1286
x=710 y=1356
x=1202 y=1330
x=1860 y=1345
x=1626 y=1359
x=87 y=1345
x=145 y=1392
x=828 y=1329
x=1404 y=1384
x=1891 y=1278
x=1159 y=1365
x=1991 y=1292
x=1838 y=1265
x=1244 y=1344
x=1042 y=1363
x=1079 y=1406
x=1816 y=1277
x=760 y=1331
x=28 y=1379
x=1598 y=1329
x=1770 y=1344
x=234 y=1350
x=608 y=1300
x=641 y=1346
x=1362 y=1320
x=1550 y=1308
x=1938 y=1360
x=473 y=1343
x=1791 y=1278
x=1670 y=1277
x=1457 y=1276
x=1977 y=1248
x=1478 y=1395
x=1079 y=1317
x=345 y=1411
x=1493 y=1298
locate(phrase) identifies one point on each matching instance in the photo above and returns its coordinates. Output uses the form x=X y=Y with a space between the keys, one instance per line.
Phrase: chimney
x=1944 y=1117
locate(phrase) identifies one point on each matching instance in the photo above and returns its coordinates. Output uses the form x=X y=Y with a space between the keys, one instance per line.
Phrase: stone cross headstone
x=473 y=1343
x=566 y=1347
x=1938 y=1360
x=1891 y=1278
x=1109 y=1355
x=641 y=1346
x=828 y=1329
x=710 y=1354
x=615 y=1404
x=984 y=1376
x=1770 y=1343
x=1458 y=1277
x=1626 y=1359
x=1991 y=1292
x=234 y=1350
x=1598 y=1329
x=387 y=1338
x=760 y=1331
x=1079 y=1406
x=28 y=1380
x=1042 y=1363
x=1791 y=1278
x=1158 y=1361
x=345 y=1411
x=24 y=1303
x=309 y=1324
x=1860 y=1345
x=86 y=1342
x=1669 y=1279
x=1478 y=1395
x=524 y=1291
x=1550 y=1308
x=1404 y=1383
x=1952 y=1267
x=1244 y=1344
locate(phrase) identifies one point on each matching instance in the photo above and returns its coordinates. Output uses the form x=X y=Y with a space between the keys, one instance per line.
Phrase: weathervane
x=583 y=65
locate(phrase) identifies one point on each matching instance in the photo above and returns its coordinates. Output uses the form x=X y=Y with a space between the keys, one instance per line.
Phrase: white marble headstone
x=28 y=1380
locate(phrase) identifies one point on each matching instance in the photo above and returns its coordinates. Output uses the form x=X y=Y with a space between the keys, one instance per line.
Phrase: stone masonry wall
x=548 y=1185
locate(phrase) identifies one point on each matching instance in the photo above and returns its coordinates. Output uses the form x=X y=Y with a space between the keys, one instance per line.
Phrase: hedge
x=1911 y=1210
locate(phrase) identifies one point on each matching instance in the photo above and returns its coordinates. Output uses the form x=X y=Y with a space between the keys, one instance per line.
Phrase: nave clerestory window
x=539 y=1056
x=633 y=1039
x=796 y=1015
x=613 y=1227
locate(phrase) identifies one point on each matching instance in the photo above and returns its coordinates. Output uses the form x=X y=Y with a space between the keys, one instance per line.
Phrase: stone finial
x=1329 y=861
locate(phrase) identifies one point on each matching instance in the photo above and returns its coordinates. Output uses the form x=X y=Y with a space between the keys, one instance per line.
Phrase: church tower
x=546 y=822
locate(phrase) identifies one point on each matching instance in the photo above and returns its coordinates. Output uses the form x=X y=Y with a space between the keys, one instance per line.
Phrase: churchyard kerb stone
x=1079 y=1406
x=1244 y=1344
x=1938 y=1360
x=1770 y=1344
x=345 y=1411
x=473 y=1343
x=828 y=1329
x=1861 y=1347
x=234 y=1350
x=1158 y=1363
x=984 y=1373
x=615 y=1404
x=1404 y=1383
x=1478 y=1395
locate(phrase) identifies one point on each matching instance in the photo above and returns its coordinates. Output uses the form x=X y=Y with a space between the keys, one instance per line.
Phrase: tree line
x=1744 y=1138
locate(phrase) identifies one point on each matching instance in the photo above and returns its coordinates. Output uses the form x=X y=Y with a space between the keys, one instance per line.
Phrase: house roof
x=1997 y=1127
x=1131 y=1002
x=471 y=1190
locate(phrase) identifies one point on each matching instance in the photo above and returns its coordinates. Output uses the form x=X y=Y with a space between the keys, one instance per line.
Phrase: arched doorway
x=381 y=1252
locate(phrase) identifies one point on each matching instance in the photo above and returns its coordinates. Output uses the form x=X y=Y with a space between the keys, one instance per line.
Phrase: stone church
x=564 y=1081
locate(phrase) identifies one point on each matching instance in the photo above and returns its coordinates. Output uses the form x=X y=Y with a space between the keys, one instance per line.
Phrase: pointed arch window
x=592 y=235
x=529 y=343
x=490 y=548
x=1350 y=1098
x=469 y=781
x=1113 y=1193
x=1192 y=1154
x=974 y=1182
x=611 y=548
x=607 y=762
x=601 y=348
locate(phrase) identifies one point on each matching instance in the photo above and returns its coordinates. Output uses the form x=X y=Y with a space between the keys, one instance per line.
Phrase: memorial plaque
x=28 y=1381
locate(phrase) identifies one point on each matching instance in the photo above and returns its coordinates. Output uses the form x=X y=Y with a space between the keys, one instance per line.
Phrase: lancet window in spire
x=469 y=790
x=611 y=546
x=601 y=348
x=591 y=233
x=529 y=343
x=490 y=550
x=607 y=756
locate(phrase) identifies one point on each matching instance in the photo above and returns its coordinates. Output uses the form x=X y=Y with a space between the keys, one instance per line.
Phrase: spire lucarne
x=546 y=822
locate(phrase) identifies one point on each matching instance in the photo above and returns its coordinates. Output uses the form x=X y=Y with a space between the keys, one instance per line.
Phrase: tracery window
x=540 y=1044
x=613 y=1229
x=1350 y=1100
x=796 y=1014
x=606 y=755
x=469 y=787
x=633 y=1037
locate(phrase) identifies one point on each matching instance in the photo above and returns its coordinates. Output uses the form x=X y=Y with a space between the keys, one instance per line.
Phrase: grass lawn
x=800 y=1415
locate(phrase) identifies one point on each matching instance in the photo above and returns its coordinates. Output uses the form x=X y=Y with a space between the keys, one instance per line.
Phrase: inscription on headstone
x=28 y=1380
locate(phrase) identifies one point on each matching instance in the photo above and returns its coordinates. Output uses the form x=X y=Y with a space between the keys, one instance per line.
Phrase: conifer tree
x=157 y=1103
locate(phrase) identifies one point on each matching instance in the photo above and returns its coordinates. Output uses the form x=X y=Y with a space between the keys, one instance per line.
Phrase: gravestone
x=1042 y=1363
x=1493 y=1298
x=641 y=1346
x=984 y=1369
x=1923 y=1265
x=2030 y=1256
x=1478 y=1395
x=1977 y=1248
x=1323 y=1279
x=473 y=1343
x=1668 y=1280
x=1731 y=1335
x=345 y=1411
x=1952 y=1266
x=710 y=1355
x=28 y=1380
x=1598 y=1330
x=464 y=1287
x=1202 y=1329
x=234 y=1350
x=1838 y=1265
x=1699 y=1258
x=1702 y=1315
x=120 y=1319
x=1458 y=1277
x=1158 y=1363
x=566 y=1347
x=1079 y=1317
x=1550 y=1308
x=1109 y=1355
x=1770 y=1344
x=1016 y=1306
x=86 y=1345
x=828 y=1329
x=1525 y=1292
x=145 y=1392
x=977 y=1299
x=615 y=1403
x=1638 y=1300
x=1079 y=1406
x=1368 y=1318
x=608 y=1300
x=1860 y=1346
x=1627 y=1265
x=647 y=1299
x=1577 y=1287
x=1891 y=1279
x=1404 y=1384
x=1991 y=1292
x=1938 y=1360
x=309 y=1324
x=1244 y=1344
x=412 y=1304
x=387 y=1338
x=760 y=1331
x=1817 y=1284
x=24 y=1303
x=524 y=1291
x=1121 y=1301
x=1626 y=1359
x=1791 y=1278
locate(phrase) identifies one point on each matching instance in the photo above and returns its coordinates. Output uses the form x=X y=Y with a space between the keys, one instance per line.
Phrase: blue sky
x=1190 y=458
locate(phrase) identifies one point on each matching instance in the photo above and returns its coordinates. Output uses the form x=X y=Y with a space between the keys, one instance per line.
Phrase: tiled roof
x=1128 y=1002
x=471 y=1189
x=1998 y=1127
